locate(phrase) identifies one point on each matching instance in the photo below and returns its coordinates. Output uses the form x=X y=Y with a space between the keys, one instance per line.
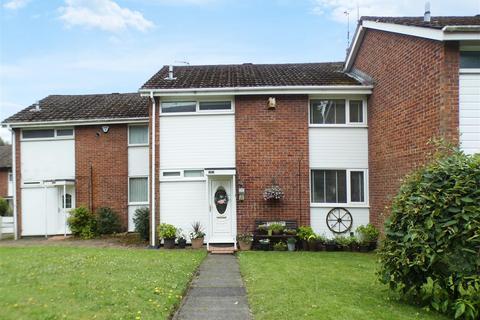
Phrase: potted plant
x=168 y=233
x=262 y=229
x=280 y=246
x=368 y=235
x=312 y=242
x=343 y=243
x=321 y=240
x=181 y=239
x=245 y=241
x=303 y=233
x=264 y=244
x=291 y=243
x=354 y=245
x=290 y=232
x=197 y=235
x=331 y=245
x=273 y=192
x=276 y=228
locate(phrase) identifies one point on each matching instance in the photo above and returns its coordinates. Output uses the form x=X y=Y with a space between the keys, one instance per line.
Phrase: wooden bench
x=289 y=224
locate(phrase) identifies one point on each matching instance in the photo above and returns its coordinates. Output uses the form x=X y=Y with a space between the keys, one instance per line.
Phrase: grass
x=322 y=285
x=93 y=283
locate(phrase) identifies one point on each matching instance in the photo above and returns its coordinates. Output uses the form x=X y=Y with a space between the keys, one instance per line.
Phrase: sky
x=104 y=46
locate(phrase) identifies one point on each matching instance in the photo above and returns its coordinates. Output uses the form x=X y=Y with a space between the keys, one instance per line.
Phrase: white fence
x=6 y=226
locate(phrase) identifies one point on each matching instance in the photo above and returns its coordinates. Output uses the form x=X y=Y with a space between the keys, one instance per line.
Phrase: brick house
x=328 y=134
x=6 y=178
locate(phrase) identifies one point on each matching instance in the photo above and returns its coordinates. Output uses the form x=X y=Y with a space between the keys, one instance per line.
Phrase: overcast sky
x=103 y=46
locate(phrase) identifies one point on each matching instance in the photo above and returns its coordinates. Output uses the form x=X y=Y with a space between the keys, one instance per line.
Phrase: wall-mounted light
x=241 y=192
x=105 y=129
x=272 y=103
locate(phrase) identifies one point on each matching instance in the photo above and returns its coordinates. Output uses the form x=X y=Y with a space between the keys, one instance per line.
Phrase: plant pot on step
x=182 y=243
x=245 y=245
x=197 y=243
x=169 y=243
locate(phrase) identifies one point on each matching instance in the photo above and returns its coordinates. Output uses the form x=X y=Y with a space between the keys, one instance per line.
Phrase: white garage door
x=470 y=112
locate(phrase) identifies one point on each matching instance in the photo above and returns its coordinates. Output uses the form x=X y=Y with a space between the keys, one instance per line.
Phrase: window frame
x=181 y=176
x=347 y=123
x=148 y=190
x=349 y=202
x=55 y=136
x=197 y=105
x=139 y=144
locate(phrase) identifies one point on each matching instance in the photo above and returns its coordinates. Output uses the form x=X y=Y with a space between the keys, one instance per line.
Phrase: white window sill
x=337 y=125
x=139 y=145
x=200 y=113
x=138 y=203
x=339 y=205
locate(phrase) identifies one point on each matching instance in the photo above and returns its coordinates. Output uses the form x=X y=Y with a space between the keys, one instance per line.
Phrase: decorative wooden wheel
x=339 y=220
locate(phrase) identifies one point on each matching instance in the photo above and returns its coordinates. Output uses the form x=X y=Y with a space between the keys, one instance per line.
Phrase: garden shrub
x=82 y=223
x=167 y=231
x=108 y=221
x=431 y=251
x=141 y=221
x=5 y=209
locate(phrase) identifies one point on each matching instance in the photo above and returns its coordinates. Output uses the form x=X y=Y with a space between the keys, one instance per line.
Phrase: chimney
x=426 y=15
x=170 y=73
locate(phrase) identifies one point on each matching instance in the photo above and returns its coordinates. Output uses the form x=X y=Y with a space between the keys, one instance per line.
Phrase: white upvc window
x=138 y=190
x=138 y=135
x=333 y=112
x=339 y=187
x=191 y=106
x=47 y=134
x=182 y=175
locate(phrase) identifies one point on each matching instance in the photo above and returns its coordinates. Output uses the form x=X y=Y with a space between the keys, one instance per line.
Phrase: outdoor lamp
x=241 y=192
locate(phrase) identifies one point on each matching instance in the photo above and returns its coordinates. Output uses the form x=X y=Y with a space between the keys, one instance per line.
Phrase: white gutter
x=152 y=196
x=87 y=122
x=14 y=173
x=348 y=89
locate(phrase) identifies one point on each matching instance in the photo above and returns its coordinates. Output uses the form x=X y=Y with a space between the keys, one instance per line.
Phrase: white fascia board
x=421 y=32
x=352 y=53
x=62 y=123
x=345 y=89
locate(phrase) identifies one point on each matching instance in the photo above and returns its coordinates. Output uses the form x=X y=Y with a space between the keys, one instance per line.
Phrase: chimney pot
x=426 y=15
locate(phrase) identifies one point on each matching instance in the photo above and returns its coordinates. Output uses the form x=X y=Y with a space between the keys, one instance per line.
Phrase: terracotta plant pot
x=169 y=243
x=245 y=246
x=197 y=243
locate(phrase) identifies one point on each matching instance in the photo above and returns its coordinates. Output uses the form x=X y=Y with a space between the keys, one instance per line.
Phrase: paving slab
x=217 y=292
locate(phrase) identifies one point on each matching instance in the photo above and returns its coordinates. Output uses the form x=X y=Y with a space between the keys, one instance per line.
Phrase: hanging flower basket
x=273 y=192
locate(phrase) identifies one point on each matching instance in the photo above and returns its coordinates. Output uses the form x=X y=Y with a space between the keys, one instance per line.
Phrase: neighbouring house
x=6 y=176
x=202 y=143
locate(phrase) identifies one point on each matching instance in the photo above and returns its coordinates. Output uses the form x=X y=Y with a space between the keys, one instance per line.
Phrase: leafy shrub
x=305 y=232
x=431 y=250
x=82 y=223
x=280 y=246
x=142 y=222
x=5 y=209
x=368 y=233
x=108 y=221
x=167 y=231
x=276 y=227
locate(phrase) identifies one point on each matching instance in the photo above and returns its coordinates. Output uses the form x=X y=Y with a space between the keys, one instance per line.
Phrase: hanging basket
x=273 y=193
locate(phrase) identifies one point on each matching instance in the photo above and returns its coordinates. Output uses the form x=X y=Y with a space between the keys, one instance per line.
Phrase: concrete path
x=217 y=292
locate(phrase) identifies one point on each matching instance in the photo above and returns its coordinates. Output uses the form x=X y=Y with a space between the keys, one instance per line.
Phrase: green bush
x=167 y=231
x=368 y=233
x=82 y=223
x=142 y=222
x=432 y=238
x=5 y=209
x=305 y=232
x=108 y=221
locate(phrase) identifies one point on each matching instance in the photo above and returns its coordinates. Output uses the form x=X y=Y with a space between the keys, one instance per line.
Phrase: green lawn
x=93 y=283
x=320 y=285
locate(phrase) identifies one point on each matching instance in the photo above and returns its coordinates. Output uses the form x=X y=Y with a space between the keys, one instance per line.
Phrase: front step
x=221 y=249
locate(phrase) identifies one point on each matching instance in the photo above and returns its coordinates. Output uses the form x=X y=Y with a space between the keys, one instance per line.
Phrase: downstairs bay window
x=340 y=186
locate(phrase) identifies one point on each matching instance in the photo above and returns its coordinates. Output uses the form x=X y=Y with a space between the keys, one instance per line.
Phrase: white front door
x=65 y=204
x=221 y=208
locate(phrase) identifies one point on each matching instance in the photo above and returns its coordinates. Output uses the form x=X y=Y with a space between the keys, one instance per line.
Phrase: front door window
x=221 y=200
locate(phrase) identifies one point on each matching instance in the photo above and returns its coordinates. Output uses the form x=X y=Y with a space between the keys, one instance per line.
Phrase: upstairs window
x=337 y=112
x=212 y=106
x=215 y=105
x=47 y=133
x=469 y=59
x=170 y=107
x=138 y=135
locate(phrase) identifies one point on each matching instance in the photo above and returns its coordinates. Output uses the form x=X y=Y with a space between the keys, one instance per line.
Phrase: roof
x=250 y=75
x=84 y=107
x=6 y=156
x=435 y=22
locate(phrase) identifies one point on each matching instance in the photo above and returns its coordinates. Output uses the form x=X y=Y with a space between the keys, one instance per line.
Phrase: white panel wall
x=338 y=147
x=197 y=141
x=182 y=203
x=470 y=112
x=318 y=218
x=48 y=159
x=138 y=161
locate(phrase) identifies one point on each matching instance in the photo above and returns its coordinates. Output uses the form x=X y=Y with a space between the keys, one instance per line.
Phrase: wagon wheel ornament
x=339 y=220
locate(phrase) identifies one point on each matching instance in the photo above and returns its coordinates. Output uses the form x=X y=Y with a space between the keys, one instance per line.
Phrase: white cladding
x=197 y=141
x=182 y=203
x=469 y=116
x=138 y=166
x=318 y=218
x=47 y=159
x=340 y=147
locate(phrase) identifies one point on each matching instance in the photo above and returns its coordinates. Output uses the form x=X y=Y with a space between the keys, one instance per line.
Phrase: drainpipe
x=14 y=173
x=152 y=196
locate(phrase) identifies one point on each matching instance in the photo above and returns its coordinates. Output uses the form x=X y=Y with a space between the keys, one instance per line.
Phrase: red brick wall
x=272 y=144
x=4 y=183
x=101 y=168
x=414 y=99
